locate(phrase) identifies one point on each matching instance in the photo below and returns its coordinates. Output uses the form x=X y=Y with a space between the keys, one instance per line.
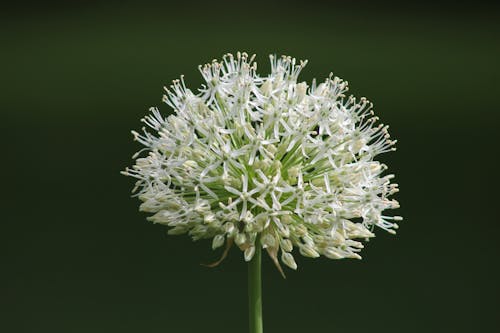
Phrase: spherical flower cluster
x=266 y=161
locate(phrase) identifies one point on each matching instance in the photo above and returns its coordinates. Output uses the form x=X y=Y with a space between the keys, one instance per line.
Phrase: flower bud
x=301 y=91
x=266 y=88
x=308 y=251
x=209 y=218
x=286 y=219
x=286 y=245
x=190 y=164
x=240 y=239
x=268 y=241
x=332 y=253
x=249 y=252
x=229 y=228
x=177 y=231
x=293 y=172
x=218 y=241
x=287 y=259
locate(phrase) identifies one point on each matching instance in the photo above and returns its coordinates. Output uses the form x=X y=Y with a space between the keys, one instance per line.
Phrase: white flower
x=268 y=158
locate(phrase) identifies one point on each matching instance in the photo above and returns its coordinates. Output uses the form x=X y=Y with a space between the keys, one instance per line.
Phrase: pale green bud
x=262 y=221
x=190 y=164
x=218 y=241
x=308 y=251
x=293 y=172
x=300 y=230
x=287 y=259
x=249 y=252
x=240 y=239
x=332 y=253
x=177 y=231
x=209 y=218
x=286 y=245
x=272 y=149
x=266 y=88
x=286 y=219
x=268 y=241
x=229 y=228
x=301 y=91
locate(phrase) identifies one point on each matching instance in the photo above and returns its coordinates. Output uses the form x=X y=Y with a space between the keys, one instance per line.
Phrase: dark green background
x=76 y=256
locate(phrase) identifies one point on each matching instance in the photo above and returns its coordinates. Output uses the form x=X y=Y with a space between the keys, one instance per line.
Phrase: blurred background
x=77 y=256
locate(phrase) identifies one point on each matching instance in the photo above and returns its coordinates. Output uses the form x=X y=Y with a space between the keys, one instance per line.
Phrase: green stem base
x=255 y=291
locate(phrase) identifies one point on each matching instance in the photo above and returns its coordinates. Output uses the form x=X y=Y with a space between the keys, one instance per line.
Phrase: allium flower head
x=266 y=161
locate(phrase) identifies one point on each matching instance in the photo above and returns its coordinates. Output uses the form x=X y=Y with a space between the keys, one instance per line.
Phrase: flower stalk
x=266 y=162
x=255 y=291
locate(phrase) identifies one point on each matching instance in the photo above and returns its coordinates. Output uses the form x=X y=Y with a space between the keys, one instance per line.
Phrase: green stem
x=255 y=291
